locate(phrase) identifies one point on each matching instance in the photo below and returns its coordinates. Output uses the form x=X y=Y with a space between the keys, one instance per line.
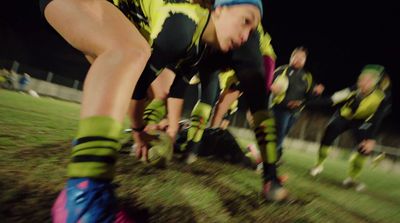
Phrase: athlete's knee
x=128 y=56
x=139 y=53
x=136 y=49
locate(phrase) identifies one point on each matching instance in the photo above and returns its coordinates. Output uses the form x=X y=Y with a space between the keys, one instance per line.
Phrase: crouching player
x=364 y=107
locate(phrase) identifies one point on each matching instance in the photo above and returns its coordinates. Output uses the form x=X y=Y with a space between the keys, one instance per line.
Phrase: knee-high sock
x=264 y=124
x=199 y=118
x=95 y=149
x=154 y=112
x=357 y=161
x=322 y=154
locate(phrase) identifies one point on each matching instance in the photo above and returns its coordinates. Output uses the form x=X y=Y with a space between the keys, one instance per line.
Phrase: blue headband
x=256 y=3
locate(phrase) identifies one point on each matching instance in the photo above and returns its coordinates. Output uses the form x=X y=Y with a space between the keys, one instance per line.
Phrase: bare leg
x=120 y=53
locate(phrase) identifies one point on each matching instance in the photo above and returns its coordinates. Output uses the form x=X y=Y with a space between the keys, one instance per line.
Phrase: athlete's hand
x=318 y=89
x=367 y=145
x=161 y=126
x=151 y=127
x=142 y=141
x=294 y=104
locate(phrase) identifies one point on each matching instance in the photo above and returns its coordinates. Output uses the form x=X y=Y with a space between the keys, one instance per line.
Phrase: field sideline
x=35 y=135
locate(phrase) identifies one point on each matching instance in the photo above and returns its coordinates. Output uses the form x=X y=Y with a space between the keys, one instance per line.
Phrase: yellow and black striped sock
x=95 y=151
x=198 y=121
x=322 y=154
x=265 y=131
x=154 y=112
x=357 y=161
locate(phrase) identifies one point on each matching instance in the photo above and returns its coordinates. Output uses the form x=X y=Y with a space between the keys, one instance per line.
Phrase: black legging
x=209 y=90
x=337 y=125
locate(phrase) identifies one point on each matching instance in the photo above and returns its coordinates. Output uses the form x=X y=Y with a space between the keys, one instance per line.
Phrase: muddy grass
x=35 y=140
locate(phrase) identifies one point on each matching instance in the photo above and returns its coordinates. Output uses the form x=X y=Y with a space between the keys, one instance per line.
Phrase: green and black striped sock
x=323 y=153
x=198 y=121
x=95 y=151
x=265 y=132
x=357 y=161
x=154 y=112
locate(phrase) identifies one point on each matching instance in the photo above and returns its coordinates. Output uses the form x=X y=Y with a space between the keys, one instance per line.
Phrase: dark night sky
x=341 y=36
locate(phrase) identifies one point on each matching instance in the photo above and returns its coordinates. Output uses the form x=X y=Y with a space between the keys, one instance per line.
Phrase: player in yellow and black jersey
x=250 y=63
x=135 y=40
x=362 y=110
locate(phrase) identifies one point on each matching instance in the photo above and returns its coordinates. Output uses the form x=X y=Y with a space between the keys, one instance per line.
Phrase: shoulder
x=176 y=32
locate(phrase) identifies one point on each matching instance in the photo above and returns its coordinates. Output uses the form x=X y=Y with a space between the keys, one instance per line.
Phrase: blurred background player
x=249 y=65
x=222 y=145
x=292 y=86
x=23 y=82
x=364 y=107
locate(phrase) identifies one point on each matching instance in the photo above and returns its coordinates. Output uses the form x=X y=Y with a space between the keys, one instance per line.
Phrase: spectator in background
x=24 y=82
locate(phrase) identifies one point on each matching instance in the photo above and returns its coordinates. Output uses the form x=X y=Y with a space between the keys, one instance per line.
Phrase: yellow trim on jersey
x=226 y=79
x=283 y=78
x=308 y=79
x=276 y=99
x=367 y=107
x=265 y=43
x=157 y=11
x=234 y=107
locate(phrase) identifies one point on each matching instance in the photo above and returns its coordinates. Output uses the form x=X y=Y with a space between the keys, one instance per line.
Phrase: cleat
x=191 y=158
x=87 y=200
x=281 y=179
x=350 y=182
x=274 y=191
x=360 y=187
x=316 y=170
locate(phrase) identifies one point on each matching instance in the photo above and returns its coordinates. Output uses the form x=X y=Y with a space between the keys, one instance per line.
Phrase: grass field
x=35 y=134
